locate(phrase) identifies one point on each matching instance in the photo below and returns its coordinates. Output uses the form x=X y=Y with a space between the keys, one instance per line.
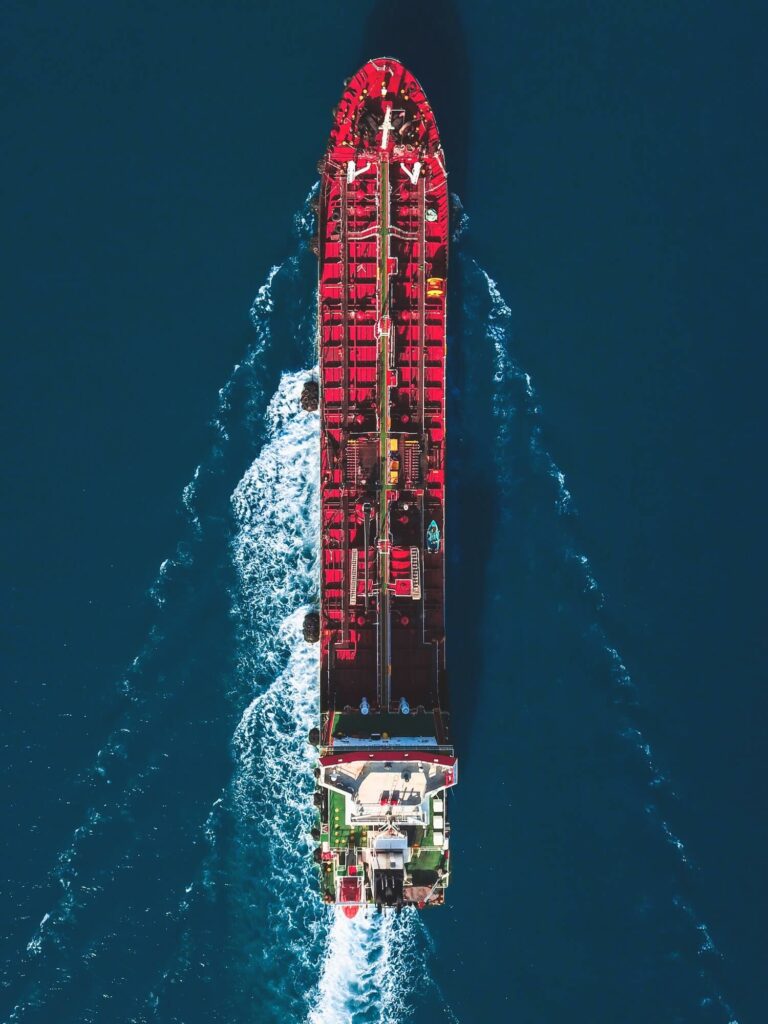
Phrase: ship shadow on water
x=474 y=501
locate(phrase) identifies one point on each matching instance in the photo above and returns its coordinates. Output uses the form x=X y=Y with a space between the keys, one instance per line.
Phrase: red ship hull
x=382 y=244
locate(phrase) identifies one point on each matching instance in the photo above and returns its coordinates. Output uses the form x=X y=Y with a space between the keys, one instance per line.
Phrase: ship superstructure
x=386 y=761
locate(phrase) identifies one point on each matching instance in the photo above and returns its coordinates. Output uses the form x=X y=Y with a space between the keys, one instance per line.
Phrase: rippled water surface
x=604 y=496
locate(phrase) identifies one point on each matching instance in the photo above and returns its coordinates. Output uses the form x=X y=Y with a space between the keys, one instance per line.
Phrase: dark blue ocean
x=606 y=593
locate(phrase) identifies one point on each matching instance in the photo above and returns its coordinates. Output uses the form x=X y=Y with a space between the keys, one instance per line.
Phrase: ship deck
x=386 y=759
x=383 y=248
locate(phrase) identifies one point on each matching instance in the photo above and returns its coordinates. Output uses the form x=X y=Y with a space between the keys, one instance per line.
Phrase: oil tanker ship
x=386 y=760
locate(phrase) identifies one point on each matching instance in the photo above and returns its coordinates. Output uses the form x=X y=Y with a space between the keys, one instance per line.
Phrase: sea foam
x=514 y=397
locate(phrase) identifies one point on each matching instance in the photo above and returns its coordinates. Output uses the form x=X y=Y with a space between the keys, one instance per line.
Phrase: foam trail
x=276 y=546
x=275 y=552
x=267 y=802
x=119 y=777
x=369 y=970
x=459 y=219
x=114 y=748
x=591 y=586
x=514 y=393
x=515 y=397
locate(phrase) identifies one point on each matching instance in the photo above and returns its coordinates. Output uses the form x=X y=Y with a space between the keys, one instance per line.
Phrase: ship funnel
x=365 y=707
x=405 y=707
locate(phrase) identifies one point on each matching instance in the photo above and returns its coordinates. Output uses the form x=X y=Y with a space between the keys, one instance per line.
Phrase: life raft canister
x=435 y=287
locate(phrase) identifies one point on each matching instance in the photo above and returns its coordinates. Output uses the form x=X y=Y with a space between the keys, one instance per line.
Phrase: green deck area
x=363 y=727
x=427 y=857
x=339 y=832
x=425 y=860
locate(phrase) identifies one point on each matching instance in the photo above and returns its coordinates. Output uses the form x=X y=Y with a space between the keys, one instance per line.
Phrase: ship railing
x=366 y=749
